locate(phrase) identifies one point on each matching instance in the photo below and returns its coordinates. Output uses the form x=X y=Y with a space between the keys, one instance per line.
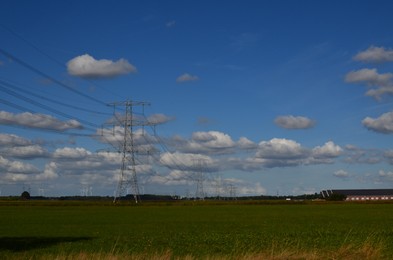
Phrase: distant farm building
x=361 y=195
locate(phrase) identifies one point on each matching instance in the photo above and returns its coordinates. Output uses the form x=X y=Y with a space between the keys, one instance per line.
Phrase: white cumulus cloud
x=187 y=161
x=85 y=66
x=375 y=54
x=294 y=122
x=283 y=153
x=213 y=139
x=341 y=174
x=26 y=152
x=371 y=77
x=71 y=153
x=380 y=84
x=278 y=148
x=16 y=167
x=13 y=140
x=211 y=142
x=382 y=124
x=245 y=143
x=40 y=121
x=328 y=150
x=159 y=119
x=50 y=172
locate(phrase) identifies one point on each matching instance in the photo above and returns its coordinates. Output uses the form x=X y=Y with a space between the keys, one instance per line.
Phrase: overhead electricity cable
x=47 y=55
x=43 y=74
x=6 y=102
x=46 y=129
x=33 y=102
x=13 y=86
x=178 y=164
x=29 y=43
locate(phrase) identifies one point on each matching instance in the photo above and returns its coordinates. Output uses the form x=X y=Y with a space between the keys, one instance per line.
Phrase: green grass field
x=40 y=230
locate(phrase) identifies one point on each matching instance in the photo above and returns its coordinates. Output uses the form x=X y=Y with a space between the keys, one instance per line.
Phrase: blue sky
x=270 y=97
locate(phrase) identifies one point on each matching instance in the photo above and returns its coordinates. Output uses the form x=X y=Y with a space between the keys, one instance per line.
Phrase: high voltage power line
x=21 y=108
x=9 y=88
x=35 y=103
x=13 y=86
x=30 y=44
x=43 y=74
x=35 y=47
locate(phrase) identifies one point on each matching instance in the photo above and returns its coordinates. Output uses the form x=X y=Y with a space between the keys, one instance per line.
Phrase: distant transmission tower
x=218 y=183
x=41 y=191
x=128 y=149
x=199 y=179
x=232 y=191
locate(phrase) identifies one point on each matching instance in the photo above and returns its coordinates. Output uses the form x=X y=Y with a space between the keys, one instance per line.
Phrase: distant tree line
x=152 y=197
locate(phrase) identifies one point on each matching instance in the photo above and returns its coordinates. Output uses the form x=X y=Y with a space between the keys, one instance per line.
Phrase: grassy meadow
x=195 y=230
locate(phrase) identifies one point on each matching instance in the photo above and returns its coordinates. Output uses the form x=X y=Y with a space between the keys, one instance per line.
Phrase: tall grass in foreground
x=348 y=252
x=369 y=250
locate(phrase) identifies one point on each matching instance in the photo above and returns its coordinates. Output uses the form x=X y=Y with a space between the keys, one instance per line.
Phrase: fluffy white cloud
x=382 y=82
x=71 y=153
x=113 y=136
x=278 y=148
x=283 y=153
x=49 y=173
x=175 y=177
x=245 y=143
x=13 y=140
x=18 y=147
x=382 y=124
x=341 y=174
x=213 y=139
x=248 y=164
x=16 y=171
x=78 y=167
x=280 y=153
x=188 y=161
x=143 y=141
x=85 y=66
x=40 y=121
x=375 y=54
x=379 y=92
x=211 y=142
x=159 y=119
x=328 y=150
x=9 y=166
x=186 y=77
x=26 y=152
x=294 y=122
x=370 y=77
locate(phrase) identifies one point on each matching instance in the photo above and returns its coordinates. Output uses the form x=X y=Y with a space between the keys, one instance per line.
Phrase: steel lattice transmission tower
x=199 y=179
x=128 y=175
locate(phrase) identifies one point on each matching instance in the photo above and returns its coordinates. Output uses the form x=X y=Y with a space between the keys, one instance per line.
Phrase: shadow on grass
x=17 y=244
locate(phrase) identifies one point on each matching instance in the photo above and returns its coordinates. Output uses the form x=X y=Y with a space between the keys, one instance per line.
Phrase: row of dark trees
x=148 y=197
